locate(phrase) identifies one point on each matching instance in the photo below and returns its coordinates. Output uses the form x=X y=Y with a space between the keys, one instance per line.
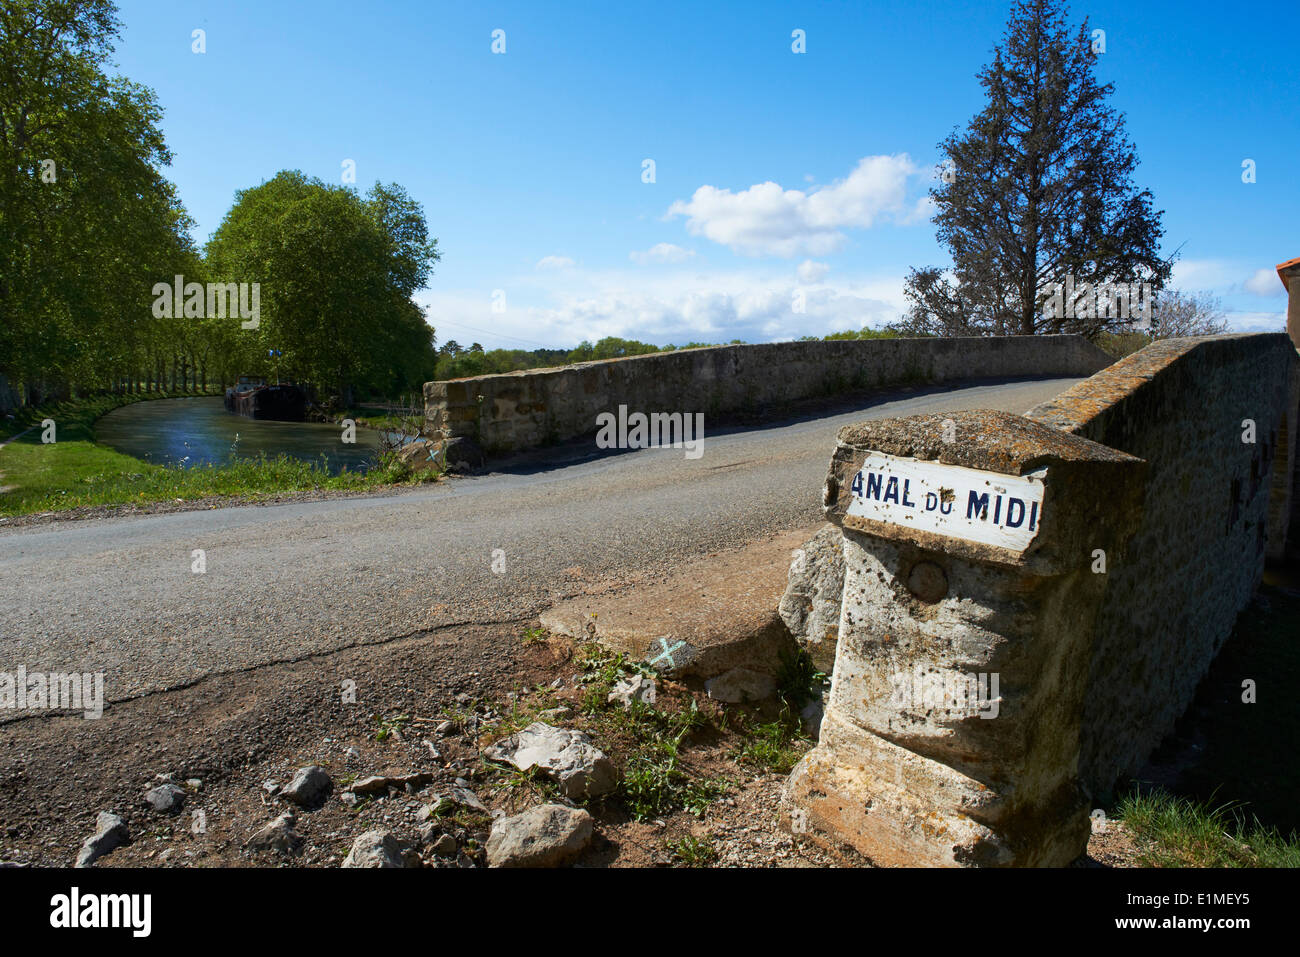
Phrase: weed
x=693 y=851
x=798 y=681
x=533 y=782
x=387 y=726
x=653 y=781
x=775 y=746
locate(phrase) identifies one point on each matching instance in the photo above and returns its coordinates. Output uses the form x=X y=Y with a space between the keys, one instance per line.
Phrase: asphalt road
x=289 y=581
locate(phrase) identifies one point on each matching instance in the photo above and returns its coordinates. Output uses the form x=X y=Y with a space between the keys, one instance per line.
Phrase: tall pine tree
x=1038 y=187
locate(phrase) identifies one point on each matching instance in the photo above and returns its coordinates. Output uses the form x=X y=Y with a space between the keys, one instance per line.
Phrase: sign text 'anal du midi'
x=978 y=506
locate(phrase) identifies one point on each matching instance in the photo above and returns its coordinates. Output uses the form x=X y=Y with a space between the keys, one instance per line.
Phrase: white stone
x=567 y=756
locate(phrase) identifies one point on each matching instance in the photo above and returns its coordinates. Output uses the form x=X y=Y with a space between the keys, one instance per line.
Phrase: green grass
x=799 y=681
x=774 y=746
x=520 y=716
x=651 y=739
x=654 y=782
x=383 y=420
x=1180 y=832
x=387 y=725
x=74 y=472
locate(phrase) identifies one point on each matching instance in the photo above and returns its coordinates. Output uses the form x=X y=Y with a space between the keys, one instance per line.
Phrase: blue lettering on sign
x=977 y=504
x=874 y=481
x=1015 y=518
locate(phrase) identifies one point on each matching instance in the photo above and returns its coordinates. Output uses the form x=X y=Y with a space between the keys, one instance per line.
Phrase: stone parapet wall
x=1213 y=505
x=522 y=410
x=1085 y=562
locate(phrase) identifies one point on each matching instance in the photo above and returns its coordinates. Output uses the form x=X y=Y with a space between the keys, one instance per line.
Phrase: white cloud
x=1190 y=274
x=768 y=220
x=1256 y=321
x=810 y=270
x=661 y=253
x=679 y=306
x=554 y=262
x=1265 y=283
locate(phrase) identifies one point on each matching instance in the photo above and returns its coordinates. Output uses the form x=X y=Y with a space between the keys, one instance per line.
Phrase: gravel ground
x=229 y=735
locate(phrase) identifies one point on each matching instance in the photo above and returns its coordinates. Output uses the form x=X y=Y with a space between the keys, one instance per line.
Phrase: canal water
x=197 y=431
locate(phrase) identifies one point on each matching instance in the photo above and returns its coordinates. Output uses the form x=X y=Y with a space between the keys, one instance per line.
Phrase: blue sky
x=777 y=174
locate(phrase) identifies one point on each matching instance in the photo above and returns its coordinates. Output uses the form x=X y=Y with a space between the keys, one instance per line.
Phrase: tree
x=87 y=221
x=1179 y=313
x=611 y=347
x=336 y=273
x=1038 y=187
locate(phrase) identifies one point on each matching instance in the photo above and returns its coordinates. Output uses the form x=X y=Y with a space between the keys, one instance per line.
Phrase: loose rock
x=567 y=756
x=375 y=849
x=379 y=784
x=309 y=787
x=631 y=688
x=810 y=606
x=545 y=836
x=457 y=796
x=278 y=835
x=445 y=846
x=740 y=685
x=110 y=833
x=165 y=798
x=421 y=455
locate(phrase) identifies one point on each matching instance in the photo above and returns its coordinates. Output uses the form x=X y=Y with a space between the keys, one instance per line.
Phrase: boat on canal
x=254 y=398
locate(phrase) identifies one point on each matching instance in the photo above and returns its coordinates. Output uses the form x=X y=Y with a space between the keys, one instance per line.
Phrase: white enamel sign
x=985 y=507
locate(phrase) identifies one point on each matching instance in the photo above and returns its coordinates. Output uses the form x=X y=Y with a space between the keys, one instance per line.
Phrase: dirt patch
x=226 y=738
x=1111 y=846
x=231 y=741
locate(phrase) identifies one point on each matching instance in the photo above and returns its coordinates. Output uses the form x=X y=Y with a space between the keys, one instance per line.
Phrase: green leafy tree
x=336 y=272
x=1038 y=187
x=87 y=221
x=611 y=347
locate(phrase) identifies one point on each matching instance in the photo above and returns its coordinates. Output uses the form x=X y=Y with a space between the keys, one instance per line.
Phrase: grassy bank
x=74 y=472
x=383 y=420
x=1181 y=832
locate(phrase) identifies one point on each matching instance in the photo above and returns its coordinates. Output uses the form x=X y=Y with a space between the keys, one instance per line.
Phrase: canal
x=196 y=431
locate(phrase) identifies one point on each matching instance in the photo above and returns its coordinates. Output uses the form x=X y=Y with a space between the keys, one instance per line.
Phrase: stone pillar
x=952 y=733
x=452 y=414
x=1284 y=534
x=1289 y=272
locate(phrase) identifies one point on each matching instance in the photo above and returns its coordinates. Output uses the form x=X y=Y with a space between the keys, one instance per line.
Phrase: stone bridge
x=1029 y=602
